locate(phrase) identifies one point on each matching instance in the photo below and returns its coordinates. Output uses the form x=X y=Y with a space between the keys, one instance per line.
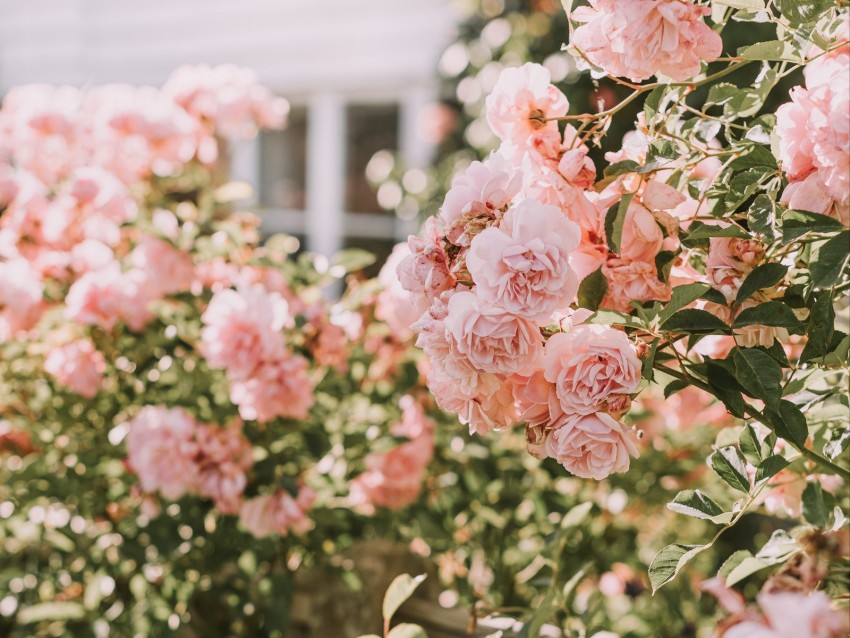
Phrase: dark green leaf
x=695 y=503
x=695 y=320
x=796 y=223
x=829 y=260
x=731 y=467
x=753 y=449
x=725 y=387
x=770 y=313
x=758 y=373
x=673 y=387
x=757 y=156
x=669 y=561
x=680 y=297
x=814 y=509
x=788 y=422
x=764 y=216
x=592 y=290
x=770 y=50
x=770 y=467
x=614 y=222
x=763 y=276
x=704 y=231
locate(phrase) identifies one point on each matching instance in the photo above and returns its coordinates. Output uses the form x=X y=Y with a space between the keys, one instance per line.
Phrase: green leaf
x=592 y=290
x=407 y=630
x=758 y=373
x=763 y=276
x=788 y=422
x=755 y=156
x=576 y=515
x=721 y=93
x=742 y=563
x=614 y=222
x=770 y=50
x=820 y=327
x=674 y=386
x=695 y=503
x=796 y=223
x=764 y=215
x=753 y=449
x=814 y=509
x=770 y=467
x=620 y=168
x=746 y=5
x=731 y=467
x=829 y=260
x=770 y=313
x=353 y=259
x=725 y=386
x=400 y=590
x=732 y=562
x=669 y=561
x=694 y=320
x=801 y=11
x=51 y=611
x=681 y=297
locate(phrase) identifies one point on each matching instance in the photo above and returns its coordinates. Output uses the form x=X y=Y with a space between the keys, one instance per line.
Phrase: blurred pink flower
x=278 y=513
x=224 y=458
x=243 y=329
x=278 y=388
x=77 y=365
x=394 y=305
x=21 y=292
x=168 y=269
x=793 y=615
x=522 y=97
x=161 y=450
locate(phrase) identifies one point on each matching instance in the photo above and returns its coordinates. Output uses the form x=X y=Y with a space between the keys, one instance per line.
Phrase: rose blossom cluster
x=393 y=479
x=814 y=136
x=174 y=455
x=495 y=277
x=73 y=164
x=243 y=334
x=637 y=39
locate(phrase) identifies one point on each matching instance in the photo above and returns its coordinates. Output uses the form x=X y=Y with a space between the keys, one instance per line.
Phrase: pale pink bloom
x=491 y=339
x=224 y=458
x=813 y=129
x=243 y=329
x=279 y=388
x=589 y=364
x=228 y=98
x=757 y=335
x=137 y=132
x=810 y=194
x=729 y=262
x=414 y=422
x=523 y=265
x=640 y=38
x=393 y=479
x=520 y=100
x=552 y=188
x=161 y=450
x=477 y=195
x=394 y=305
x=169 y=269
x=491 y=407
x=77 y=365
x=21 y=292
x=642 y=238
x=793 y=615
x=106 y=296
x=591 y=445
x=90 y=254
x=536 y=400
x=425 y=272
x=658 y=196
x=278 y=513
x=43 y=128
x=632 y=281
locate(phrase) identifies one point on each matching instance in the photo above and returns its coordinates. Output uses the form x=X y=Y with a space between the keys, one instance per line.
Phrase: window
x=369 y=128
x=283 y=165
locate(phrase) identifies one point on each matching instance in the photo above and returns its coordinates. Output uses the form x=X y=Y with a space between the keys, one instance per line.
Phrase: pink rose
x=169 y=269
x=21 y=292
x=476 y=196
x=223 y=460
x=810 y=194
x=793 y=615
x=591 y=445
x=279 y=388
x=425 y=272
x=278 y=513
x=491 y=339
x=632 y=281
x=489 y=407
x=521 y=99
x=77 y=365
x=729 y=262
x=161 y=450
x=640 y=38
x=523 y=266
x=814 y=132
x=641 y=238
x=243 y=328
x=106 y=296
x=589 y=364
